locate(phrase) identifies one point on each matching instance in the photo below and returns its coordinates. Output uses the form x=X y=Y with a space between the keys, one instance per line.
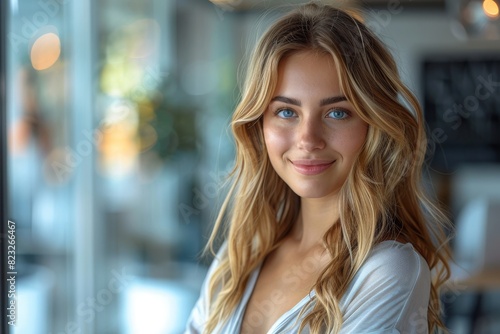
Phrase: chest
x=280 y=286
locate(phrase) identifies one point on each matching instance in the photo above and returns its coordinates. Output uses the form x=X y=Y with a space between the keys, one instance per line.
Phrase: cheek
x=359 y=139
x=277 y=140
x=352 y=140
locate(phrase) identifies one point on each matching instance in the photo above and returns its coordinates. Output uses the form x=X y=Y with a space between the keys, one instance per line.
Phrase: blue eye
x=285 y=113
x=337 y=114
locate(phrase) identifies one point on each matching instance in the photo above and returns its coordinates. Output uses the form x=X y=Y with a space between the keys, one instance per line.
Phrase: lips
x=311 y=167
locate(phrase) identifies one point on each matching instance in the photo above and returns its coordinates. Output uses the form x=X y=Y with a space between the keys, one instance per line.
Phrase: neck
x=316 y=216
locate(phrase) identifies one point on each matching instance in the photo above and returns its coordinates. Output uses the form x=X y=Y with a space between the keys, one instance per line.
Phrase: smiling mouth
x=311 y=167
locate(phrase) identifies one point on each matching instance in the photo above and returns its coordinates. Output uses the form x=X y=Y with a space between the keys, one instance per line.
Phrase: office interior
x=116 y=118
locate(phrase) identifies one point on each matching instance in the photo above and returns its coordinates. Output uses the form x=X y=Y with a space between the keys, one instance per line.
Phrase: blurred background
x=117 y=145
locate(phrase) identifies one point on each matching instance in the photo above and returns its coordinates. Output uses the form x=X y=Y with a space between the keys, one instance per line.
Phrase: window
x=115 y=136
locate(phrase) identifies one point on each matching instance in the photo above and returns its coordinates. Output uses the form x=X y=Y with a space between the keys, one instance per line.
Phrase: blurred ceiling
x=245 y=5
x=407 y=3
x=478 y=19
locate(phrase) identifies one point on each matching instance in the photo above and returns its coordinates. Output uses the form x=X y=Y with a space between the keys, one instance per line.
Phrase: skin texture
x=329 y=135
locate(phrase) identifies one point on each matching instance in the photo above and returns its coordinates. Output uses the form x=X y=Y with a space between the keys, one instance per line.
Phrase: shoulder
x=394 y=262
x=199 y=313
x=389 y=293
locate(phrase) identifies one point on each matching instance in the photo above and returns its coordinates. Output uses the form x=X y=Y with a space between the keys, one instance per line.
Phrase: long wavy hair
x=381 y=199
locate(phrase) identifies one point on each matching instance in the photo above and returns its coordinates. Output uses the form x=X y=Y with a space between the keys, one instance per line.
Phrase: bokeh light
x=490 y=8
x=45 y=51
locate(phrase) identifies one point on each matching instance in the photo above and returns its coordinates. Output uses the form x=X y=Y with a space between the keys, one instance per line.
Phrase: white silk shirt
x=388 y=295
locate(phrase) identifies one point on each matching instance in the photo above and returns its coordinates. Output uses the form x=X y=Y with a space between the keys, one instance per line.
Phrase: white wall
x=412 y=35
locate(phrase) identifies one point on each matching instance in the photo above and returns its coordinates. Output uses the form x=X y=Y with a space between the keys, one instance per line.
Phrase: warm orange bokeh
x=45 y=51
x=490 y=8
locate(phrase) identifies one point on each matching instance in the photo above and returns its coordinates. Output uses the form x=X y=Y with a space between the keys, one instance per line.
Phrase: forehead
x=308 y=72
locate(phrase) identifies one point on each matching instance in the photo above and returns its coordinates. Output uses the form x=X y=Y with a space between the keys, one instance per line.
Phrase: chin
x=315 y=192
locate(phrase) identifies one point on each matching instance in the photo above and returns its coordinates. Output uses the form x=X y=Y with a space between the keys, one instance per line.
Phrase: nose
x=310 y=135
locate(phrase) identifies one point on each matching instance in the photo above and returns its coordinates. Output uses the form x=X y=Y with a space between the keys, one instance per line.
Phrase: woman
x=327 y=227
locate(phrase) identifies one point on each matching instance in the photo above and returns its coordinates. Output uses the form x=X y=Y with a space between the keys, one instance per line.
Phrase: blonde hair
x=382 y=197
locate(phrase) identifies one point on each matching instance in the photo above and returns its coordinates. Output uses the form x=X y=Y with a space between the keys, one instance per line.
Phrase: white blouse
x=388 y=295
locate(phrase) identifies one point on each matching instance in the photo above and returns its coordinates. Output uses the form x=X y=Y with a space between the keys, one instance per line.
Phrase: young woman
x=327 y=227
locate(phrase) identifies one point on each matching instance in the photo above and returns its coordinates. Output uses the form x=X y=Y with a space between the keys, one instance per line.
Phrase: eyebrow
x=323 y=102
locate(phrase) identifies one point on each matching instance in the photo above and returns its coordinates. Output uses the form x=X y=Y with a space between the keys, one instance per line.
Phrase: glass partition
x=117 y=143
